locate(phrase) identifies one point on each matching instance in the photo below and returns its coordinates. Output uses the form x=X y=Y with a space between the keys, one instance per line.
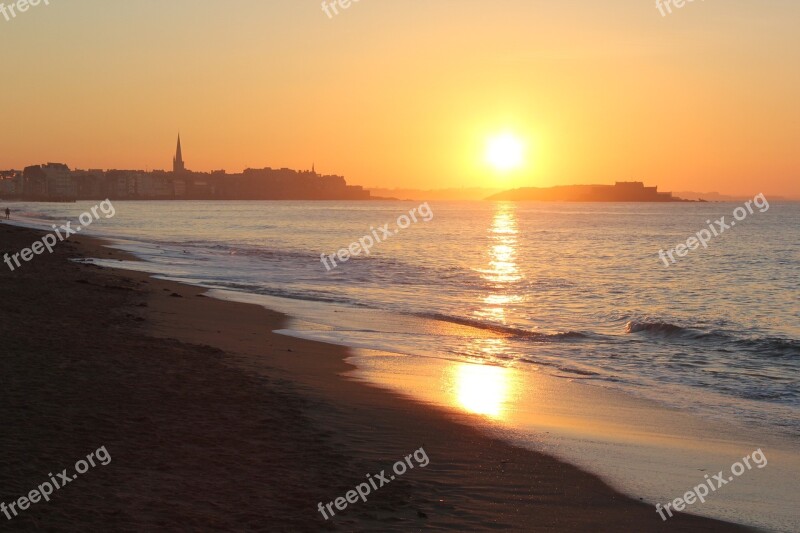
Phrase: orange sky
x=406 y=94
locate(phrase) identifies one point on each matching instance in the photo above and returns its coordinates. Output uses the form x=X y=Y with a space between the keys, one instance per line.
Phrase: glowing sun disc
x=504 y=152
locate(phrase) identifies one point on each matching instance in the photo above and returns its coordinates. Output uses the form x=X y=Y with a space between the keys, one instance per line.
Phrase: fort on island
x=621 y=191
x=57 y=182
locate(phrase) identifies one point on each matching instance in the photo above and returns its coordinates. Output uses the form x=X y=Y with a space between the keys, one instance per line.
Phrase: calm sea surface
x=576 y=290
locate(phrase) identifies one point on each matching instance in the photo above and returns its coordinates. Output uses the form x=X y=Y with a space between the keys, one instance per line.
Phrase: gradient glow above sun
x=505 y=152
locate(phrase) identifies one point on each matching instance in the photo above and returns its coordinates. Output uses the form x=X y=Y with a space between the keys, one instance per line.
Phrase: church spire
x=177 y=162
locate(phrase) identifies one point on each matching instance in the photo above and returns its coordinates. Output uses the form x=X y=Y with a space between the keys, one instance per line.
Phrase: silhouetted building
x=287 y=184
x=10 y=183
x=621 y=191
x=153 y=186
x=51 y=182
x=178 y=167
x=90 y=184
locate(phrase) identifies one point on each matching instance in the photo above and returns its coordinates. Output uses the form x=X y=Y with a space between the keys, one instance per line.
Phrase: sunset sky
x=409 y=93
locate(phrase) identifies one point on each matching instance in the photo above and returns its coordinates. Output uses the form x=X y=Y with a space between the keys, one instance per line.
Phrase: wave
x=663 y=328
x=508 y=331
x=782 y=347
x=566 y=370
x=727 y=342
x=666 y=329
x=36 y=216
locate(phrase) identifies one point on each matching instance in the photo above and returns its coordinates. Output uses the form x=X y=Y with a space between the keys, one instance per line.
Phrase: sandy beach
x=213 y=422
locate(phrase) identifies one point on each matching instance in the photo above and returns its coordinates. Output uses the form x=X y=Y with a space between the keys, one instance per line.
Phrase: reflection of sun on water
x=487 y=349
x=482 y=390
x=502 y=272
x=502 y=255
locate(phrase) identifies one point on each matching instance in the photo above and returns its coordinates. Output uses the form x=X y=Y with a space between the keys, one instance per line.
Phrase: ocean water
x=574 y=290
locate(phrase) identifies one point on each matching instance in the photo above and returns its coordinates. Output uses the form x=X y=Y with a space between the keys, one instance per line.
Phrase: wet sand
x=638 y=446
x=213 y=422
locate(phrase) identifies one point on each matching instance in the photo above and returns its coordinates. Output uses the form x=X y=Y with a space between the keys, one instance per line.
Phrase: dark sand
x=215 y=423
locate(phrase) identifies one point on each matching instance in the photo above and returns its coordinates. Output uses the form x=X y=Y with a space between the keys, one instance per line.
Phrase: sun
x=505 y=152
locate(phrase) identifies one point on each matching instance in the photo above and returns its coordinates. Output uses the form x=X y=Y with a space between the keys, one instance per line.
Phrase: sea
x=575 y=291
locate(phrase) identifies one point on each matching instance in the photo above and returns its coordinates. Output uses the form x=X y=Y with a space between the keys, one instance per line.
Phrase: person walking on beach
x=8 y=213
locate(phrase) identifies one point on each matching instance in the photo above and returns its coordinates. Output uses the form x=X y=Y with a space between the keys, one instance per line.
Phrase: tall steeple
x=177 y=162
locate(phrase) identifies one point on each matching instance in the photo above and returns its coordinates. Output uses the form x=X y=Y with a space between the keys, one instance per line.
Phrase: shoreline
x=249 y=428
x=643 y=448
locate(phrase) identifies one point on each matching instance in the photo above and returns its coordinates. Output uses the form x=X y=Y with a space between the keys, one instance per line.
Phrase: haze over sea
x=573 y=290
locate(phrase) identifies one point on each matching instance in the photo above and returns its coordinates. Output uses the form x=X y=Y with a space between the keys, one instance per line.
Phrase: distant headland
x=56 y=182
x=621 y=191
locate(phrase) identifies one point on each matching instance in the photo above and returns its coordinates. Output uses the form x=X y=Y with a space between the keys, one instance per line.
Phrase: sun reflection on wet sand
x=483 y=389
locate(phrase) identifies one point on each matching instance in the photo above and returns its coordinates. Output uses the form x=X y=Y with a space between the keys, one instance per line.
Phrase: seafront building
x=10 y=183
x=621 y=191
x=56 y=182
x=629 y=191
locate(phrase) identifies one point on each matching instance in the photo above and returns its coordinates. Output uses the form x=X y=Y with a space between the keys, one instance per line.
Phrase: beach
x=212 y=421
